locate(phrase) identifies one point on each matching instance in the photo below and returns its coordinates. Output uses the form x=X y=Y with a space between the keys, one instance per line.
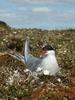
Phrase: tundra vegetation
x=13 y=84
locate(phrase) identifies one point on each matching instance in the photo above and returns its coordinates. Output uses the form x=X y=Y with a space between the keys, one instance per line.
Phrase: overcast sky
x=45 y=14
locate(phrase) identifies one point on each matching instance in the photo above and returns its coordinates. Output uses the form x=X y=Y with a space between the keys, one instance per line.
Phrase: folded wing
x=31 y=61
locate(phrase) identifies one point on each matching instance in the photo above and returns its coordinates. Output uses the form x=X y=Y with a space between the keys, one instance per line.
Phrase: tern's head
x=48 y=50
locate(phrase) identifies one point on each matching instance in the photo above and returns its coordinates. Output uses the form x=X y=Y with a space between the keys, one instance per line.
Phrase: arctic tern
x=47 y=64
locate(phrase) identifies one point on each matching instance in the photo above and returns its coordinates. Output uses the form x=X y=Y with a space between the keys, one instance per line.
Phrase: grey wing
x=31 y=61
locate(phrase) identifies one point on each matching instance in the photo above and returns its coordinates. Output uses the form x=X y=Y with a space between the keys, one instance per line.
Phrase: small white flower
x=10 y=80
x=26 y=70
x=46 y=72
x=16 y=73
x=59 y=80
x=65 y=51
x=14 y=32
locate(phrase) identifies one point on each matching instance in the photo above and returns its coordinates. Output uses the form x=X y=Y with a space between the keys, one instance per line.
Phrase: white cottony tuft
x=26 y=70
x=59 y=80
x=46 y=72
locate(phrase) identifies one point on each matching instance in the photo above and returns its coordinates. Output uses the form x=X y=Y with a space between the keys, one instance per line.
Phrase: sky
x=44 y=14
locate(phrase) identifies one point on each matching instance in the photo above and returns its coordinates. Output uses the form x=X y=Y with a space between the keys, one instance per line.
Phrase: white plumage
x=46 y=65
x=49 y=63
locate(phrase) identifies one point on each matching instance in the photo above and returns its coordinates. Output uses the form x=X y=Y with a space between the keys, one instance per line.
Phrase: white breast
x=49 y=64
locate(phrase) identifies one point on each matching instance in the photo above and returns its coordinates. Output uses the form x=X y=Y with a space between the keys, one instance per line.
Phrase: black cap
x=48 y=47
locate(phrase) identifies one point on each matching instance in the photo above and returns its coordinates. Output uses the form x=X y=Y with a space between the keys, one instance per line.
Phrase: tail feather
x=26 y=49
x=17 y=56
